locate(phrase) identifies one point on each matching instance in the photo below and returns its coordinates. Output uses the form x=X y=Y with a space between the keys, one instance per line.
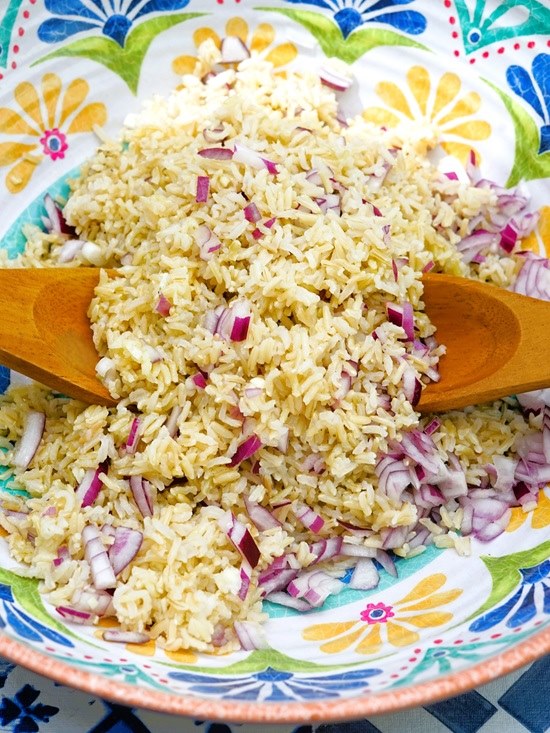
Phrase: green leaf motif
x=261 y=659
x=529 y=164
x=126 y=62
x=333 y=43
x=25 y=592
x=505 y=573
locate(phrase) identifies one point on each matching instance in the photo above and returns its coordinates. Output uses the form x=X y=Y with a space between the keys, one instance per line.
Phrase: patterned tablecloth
x=513 y=704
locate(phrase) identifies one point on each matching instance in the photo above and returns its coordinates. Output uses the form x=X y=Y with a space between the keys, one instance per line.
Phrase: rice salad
x=264 y=336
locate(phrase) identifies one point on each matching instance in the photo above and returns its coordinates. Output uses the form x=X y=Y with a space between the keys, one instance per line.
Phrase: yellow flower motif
x=451 y=114
x=258 y=42
x=379 y=623
x=47 y=117
x=539 y=517
x=539 y=239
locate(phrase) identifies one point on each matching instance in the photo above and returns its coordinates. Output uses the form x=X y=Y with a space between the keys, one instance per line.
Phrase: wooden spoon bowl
x=498 y=342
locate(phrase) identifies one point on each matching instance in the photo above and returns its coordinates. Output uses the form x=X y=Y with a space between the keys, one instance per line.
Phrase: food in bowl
x=265 y=338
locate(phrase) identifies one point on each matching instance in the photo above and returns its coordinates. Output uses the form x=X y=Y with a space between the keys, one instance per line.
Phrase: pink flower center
x=376 y=613
x=54 y=143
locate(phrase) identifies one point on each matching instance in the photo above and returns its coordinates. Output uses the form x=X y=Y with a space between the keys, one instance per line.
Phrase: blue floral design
x=5 y=669
x=23 y=625
x=21 y=711
x=277 y=685
x=350 y=14
x=535 y=90
x=531 y=599
x=114 y=17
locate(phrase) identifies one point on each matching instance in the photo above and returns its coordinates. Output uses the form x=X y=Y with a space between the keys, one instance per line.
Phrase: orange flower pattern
x=539 y=239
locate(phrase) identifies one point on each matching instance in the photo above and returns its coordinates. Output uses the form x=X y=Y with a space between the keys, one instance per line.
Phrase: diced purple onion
x=125 y=547
x=252 y=213
x=171 y=423
x=261 y=517
x=534 y=277
x=402 y=315
x=88 y=489
x=241 y=538
x=284 y=599
x=141 y=491
x=133 y=437
x=30 y=439
x=215 y=134
x=245 y=581
x=199 y=380
x=207 y=242
x=246 y=449
x=103 y=576
x=309 y=518
x=203 y=189
x=70 y=250
x=125 y=637
x=253 y=159
x=216 y=153
x=233 y=50
x=163 y=305
x=74 y=615
x=251 y=635
x=332 y=79
x=55 y=222
x=258 y=234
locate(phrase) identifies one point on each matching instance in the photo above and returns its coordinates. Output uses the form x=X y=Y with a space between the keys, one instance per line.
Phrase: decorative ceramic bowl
x=479 y=71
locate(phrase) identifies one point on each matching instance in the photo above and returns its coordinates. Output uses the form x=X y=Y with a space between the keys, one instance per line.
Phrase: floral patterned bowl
x=479 y=72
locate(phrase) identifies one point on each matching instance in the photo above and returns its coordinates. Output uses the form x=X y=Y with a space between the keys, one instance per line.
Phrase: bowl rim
x=340 y=709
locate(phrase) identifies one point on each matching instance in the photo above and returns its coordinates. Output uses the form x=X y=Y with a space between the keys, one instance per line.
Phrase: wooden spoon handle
x=45 y=332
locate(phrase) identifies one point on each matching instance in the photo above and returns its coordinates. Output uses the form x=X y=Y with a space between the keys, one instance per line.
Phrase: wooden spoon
x=498 y=343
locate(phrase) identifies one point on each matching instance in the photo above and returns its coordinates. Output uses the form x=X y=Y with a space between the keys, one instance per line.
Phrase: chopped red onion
x=141 y=491
x=277 y=580
x=70 y=250
x=125 y=547
x=261 y=517
x=30 y=439
x=308 y=517
x=171 y=423
x=476 y=243
x=74 y=615
x=245 y=581
x=207 y=242
x=326 y=549
x=313 y=176
x=534 y=277
x=125 y=637
x=314 y=587
x=88 y=489
x=251 y=635
x=284 y=599
x=241 y=538
x=508 y=238
x=365 y=575
x=62 y=556
x=252 y=392
x=252 y=213
x=258 y=234
x=313 y=463
x=55 y=222
x=199 y=380
x=163 y=305
x=133 y=437
x=412 y=386
x=96 y=555
x=505 y=470
x=432 y=426
x=546 y=433
x=330 y=202
x=91 y=600
x=332 y=79
x=402 y=315
x=351 y=550
x=216 y=153
x=253 y=159
x=233 y=50
x=203 y=189
x=386 y=562
x=246 y=449
x=393 y=476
